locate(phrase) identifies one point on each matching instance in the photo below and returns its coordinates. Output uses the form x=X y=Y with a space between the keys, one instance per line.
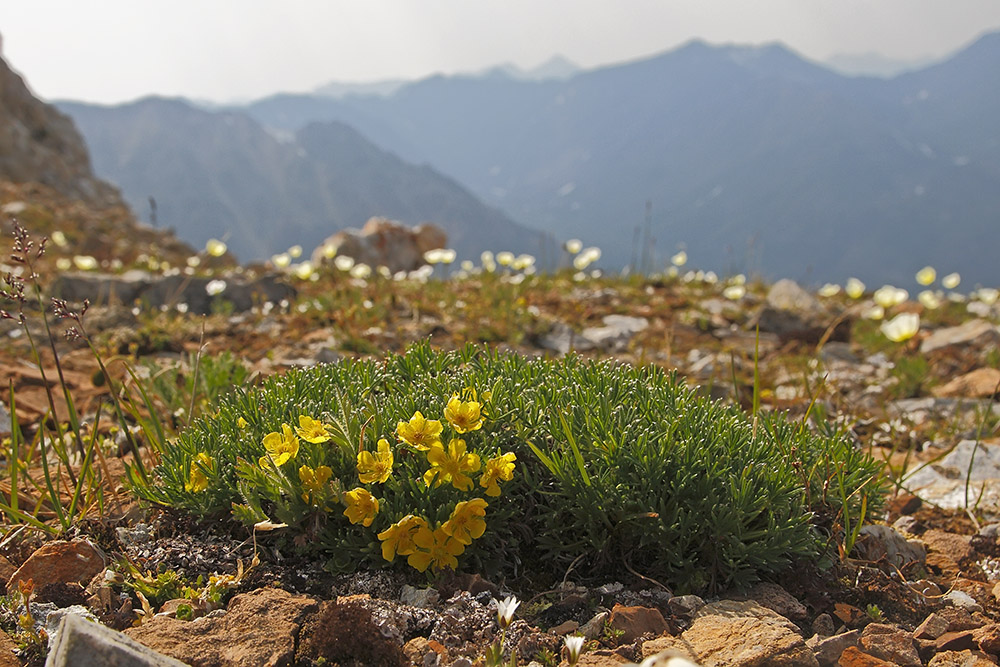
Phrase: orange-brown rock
x=259 y=628
x=855 y=657
x=60 y=562
x=980 y=383
x=635 y=622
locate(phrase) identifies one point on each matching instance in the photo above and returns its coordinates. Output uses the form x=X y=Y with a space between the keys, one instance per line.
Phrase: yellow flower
x=420 y=433
x=464 y=416
x=242 y=423
x=313 y=481
x=375 y=468
x=361 y=506
x=198 y=480
x=451 y=465
x=398 y=538
x=436 y=549
x=281 y=446
x=498 y=468
x=312 y=430
x=466 y=522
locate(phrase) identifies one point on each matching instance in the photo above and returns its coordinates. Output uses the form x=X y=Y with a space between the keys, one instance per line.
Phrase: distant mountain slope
x=220 y=174
x=38 y=144
x=752 y=157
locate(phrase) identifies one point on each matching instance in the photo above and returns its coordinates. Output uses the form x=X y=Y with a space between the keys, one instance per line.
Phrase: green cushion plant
x=529 y=466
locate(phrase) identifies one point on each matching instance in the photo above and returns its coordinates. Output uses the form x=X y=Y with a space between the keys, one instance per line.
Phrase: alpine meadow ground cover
x=481 y=460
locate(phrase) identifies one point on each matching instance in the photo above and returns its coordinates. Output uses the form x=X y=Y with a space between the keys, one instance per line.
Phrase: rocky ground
x=920 y=588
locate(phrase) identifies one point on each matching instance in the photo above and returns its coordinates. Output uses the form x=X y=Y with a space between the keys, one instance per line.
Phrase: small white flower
x=215 y=248
x=193 y=261
x=467 y=265
x=929 y=299
x=85 y=262
x=854 y=288
x=734 y=292
x=505 y=258
x=680 y=259
x=343 y=262
x=303 y=271
x=951 y=281
x=573 y=246
x=574 y=645
x=329 y=251
x=64 y=264
x=829 y=290
x=361 y=271
x=295 y=251
x=888 y=296
x=902 y=327
x=281 y=260
x=505 y=611
x=215 y=287
x=434 y=256
x=59 y=238
x=988 y=295
x=926 y=275
x=873 y=312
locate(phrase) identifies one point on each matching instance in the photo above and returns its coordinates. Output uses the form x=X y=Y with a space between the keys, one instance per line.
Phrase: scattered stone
x=565 y=628
x=955 y=641
x=849 y=615
x=419 y=597
x=635 y=622
x=904 y=504
x=84 y=643
x=685 y=606
x=423 y=651
x=980 y=383
x=7 y=649
x=877 y=542
x=966 y=658
x=829 y=649
x=823 y=625
x=60 y=562
x=667 y=646
x=259 y=628
x=593 y=628
x=383 y=242
x=792 y=313
x=943 y=483
x=974 y=332
x=932 y=627
x=962 y=600
x=614 y=336
x=956 y=546
x=156 y=291
x=778 y=600
x=890 y=643
x=854 y=657
x=988 y=638
x=732 y=632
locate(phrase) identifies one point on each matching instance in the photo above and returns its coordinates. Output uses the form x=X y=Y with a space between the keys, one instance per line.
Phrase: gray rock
x=944 y=483
x=962 y=600
x=973 y=332
x=84 y=643
x=158 y=291
x=828 y=649
x=5 y=424
x=685 y=605
x=790 y=312
x=614 y=336
x=786 y=294
x=877 y=541
x=419 y=597
x=594 y=628
x=384 y=242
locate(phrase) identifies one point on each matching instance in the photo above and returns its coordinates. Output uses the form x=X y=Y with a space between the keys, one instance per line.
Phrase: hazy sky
x=118 y=50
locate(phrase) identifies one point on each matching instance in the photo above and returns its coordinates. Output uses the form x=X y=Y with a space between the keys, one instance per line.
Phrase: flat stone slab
x=83 y=643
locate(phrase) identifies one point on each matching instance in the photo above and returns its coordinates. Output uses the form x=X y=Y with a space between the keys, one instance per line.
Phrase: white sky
x=117 y=50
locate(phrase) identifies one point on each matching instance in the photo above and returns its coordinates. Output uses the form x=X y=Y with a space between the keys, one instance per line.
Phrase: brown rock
x=952 y=545
x=384 y=242
x=778 y=600
x=959 y=619
x=988 y=638
x=6 y=569
x=259 y=628
x=848 y=614
x=932 y=627
x=565 y=628
x=980 y=383
x=635 y=622
x=829 y=649
x=734 y=633
x=417 y=648
x=955 y=641
x=904 y=504
x=60 y=562
x=890 y=643
x=602 y=659
x=966 y=658
x=7 y=648
x=854 y=657
x=996 y=591
x=667 y=645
